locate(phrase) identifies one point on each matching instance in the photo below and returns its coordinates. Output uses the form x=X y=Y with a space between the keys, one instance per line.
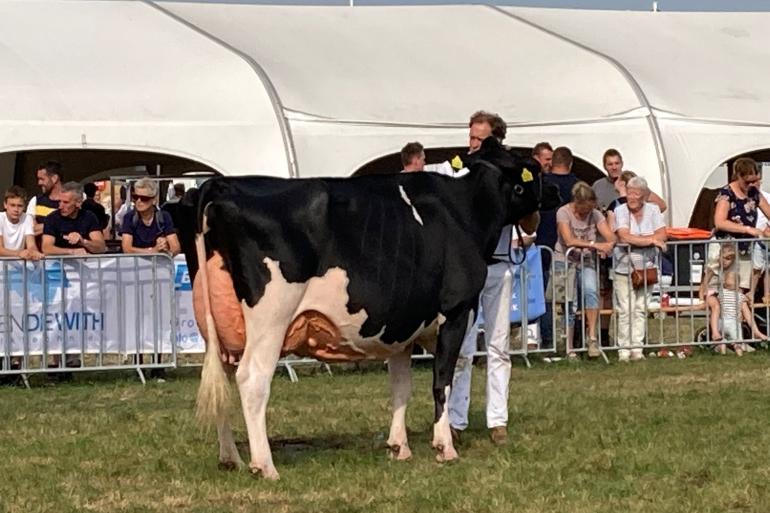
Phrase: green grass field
x=656 y=436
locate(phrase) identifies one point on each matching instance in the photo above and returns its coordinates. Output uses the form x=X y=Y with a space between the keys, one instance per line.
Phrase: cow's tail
x=213 y=400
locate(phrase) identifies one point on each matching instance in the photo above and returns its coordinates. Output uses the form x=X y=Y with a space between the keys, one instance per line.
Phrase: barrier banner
x=188 y=338
x=113 y=304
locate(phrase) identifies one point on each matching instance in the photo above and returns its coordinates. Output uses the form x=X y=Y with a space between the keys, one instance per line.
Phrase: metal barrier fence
x=108 y=312
x=100 y=312
x=668 y=314
x=695 y=300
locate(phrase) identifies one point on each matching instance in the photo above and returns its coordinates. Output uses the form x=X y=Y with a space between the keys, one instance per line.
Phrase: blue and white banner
x=114 y=304
x=188 y=338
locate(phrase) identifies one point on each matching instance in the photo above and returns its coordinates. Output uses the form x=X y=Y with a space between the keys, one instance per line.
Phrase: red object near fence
x=688 y=233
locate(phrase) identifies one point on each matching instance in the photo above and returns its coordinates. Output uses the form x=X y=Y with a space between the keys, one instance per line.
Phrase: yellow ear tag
x=457 y=162
x=526 y=175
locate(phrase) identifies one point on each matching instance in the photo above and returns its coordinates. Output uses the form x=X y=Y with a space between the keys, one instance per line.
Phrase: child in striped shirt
x=731 y=301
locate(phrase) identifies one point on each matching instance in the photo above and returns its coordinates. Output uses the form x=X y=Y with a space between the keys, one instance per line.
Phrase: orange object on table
x=687 y=233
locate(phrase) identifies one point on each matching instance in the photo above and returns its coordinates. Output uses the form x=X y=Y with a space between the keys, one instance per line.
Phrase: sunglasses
x=142 y=197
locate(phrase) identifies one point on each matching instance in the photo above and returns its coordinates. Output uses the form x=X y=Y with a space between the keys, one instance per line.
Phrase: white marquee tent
x=321 y=91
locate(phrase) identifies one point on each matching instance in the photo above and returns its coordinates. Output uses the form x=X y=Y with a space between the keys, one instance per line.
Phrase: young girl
x=725 y=301
x=731 y=303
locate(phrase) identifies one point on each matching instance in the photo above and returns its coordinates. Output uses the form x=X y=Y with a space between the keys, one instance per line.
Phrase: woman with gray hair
x=146 y=229
x=639 y=226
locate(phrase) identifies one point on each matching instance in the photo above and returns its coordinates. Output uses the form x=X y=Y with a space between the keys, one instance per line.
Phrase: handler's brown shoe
x=499 y=435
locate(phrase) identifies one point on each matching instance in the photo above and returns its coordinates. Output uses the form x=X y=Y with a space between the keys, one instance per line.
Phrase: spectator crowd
x=66 y=219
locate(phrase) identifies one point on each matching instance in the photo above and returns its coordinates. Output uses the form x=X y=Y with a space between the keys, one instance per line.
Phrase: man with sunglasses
x=70 y=230
x=146 y=229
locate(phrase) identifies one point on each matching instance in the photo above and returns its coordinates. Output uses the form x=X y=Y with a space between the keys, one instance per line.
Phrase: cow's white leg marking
x=400 y=372
x=266 y=325
x=409 y=202
x=254 y=376
x=442 y=436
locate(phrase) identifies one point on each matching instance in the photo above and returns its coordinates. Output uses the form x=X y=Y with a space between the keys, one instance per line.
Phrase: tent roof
x=414 y=64
x=699 y=66
x=299 y=90
x=123 y=75
x=699 y=74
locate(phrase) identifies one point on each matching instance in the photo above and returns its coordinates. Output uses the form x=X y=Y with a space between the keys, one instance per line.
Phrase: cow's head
x=521 y=181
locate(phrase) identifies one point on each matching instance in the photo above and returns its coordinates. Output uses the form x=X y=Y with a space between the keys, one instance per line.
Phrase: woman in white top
x=17 y=228
x=639 y=225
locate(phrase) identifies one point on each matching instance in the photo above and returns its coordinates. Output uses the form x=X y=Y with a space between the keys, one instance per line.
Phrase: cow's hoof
x=399 y=452
x=269 y=474
x=445 y=454
x=230 y=465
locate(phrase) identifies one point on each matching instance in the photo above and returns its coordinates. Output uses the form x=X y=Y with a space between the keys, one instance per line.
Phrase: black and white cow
x=347 y=269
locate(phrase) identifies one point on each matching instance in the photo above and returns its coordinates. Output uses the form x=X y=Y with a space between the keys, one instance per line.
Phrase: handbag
x=644 y=277
x=533 y=293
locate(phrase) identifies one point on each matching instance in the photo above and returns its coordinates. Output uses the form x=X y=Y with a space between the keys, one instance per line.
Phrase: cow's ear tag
x=526 y=175
x=457 y=162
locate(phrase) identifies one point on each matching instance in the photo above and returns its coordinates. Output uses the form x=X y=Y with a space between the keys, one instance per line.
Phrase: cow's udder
x=225 y=308
x=312 y=334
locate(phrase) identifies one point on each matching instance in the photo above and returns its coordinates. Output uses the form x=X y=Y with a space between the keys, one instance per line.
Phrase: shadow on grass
x=296 y=449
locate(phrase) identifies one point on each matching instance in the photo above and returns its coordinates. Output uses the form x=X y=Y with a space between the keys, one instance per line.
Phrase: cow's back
x=364 y=232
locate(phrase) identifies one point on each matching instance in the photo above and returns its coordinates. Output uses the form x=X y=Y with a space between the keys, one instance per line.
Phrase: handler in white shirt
x=17 y=228
x=495 y=300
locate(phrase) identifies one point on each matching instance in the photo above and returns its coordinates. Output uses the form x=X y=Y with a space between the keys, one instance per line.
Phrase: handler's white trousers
x=496 y=303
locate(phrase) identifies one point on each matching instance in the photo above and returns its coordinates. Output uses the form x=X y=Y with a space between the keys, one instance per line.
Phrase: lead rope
x=521 y=248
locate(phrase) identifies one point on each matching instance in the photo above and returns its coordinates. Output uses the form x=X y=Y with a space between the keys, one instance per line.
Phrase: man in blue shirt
x=146 y=229
x=561 y=176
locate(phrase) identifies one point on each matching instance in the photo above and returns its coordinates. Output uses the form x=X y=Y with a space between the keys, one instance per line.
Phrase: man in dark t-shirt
x=70 y=230
x=91 y=205
x=562 y=177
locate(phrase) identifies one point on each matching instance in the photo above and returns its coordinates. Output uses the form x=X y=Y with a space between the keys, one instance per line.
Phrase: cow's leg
x=229 y=459
x=460 y=398
x=254 y=376
x=400 y=372
x=450 y=339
